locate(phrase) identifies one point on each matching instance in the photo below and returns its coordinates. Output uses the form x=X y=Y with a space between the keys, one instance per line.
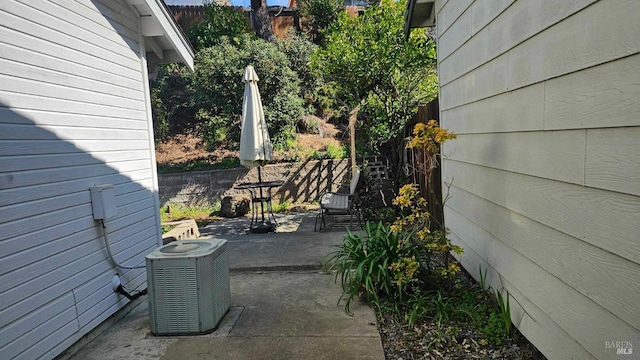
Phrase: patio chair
x=335 y=203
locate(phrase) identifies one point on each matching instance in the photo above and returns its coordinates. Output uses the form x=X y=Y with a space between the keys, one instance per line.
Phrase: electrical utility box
x=103 y=201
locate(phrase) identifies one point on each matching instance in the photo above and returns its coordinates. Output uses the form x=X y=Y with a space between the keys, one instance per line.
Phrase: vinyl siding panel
x=566 y=306
x=545 y=176
x=606 y=219
x=613 y=159
x=523 y=19
x=591 y=98
x=572 y=45
x=499 y=113
x=31 y=193
x=539 y=154
x=73 y=114
x=484 y=11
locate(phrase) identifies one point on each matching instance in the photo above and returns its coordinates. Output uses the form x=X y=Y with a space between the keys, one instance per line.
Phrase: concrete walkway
x=283 y=306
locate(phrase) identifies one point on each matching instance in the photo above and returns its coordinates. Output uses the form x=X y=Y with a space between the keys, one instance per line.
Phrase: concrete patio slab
x=283 y=306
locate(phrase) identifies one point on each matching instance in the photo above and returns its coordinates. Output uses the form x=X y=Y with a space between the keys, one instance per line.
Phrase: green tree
x=318 y=15
x=218 y=22
x=378 y=75
x=171 y=101
x=218 y=90
x=299 y=51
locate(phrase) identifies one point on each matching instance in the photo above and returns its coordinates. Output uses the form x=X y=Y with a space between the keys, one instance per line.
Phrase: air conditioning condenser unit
x=188 y=286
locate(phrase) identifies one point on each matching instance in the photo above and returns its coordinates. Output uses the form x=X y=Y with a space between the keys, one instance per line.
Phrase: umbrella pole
x=261 y=202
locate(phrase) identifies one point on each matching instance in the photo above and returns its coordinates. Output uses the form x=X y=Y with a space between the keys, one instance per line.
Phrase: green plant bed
x=195 y=165
x=167 y=228
x=203 y=215
x=463 y=323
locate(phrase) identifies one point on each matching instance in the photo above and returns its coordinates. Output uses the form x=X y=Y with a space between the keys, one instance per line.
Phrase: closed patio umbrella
x=255 y=145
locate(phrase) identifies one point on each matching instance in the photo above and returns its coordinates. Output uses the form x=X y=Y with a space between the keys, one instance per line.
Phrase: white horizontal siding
x=31 y=102
x=28 y=19
x=45 y=191
x=20 y=163
x=30 y=73
x=545 y=172
x=42 y=268
x=15 y=233
x=45 y=176
x=73 y=114
x=37 y=318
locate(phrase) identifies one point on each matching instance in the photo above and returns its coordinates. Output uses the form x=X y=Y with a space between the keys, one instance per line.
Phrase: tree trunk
x=353 y=120
x=397 y=160
x=260 y=20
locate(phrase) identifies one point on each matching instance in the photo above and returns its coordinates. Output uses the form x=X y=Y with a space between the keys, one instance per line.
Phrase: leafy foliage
x=226 y=163
x=299 y=51
x=429 y=136
x=218 y=90
x=392 y=263
x=318 y=16
x=171 y=101
x=201 y=214
x=364 y=264
x=369 y=63
x=370 y=69
x=219 y=22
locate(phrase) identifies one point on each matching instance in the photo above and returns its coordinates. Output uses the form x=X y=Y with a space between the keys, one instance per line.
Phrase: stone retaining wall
x=304 y=182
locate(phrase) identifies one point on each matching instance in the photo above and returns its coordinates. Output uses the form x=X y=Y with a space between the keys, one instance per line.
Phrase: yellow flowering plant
x=429 y=136
x=415 y=222
x=387 y=265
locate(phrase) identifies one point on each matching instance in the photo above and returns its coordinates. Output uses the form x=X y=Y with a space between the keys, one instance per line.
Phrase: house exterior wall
x=73 y=114
x=544 y=96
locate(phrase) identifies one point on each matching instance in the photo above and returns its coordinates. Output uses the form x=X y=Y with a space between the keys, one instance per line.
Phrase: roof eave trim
x=411 y=20
x=172 y=31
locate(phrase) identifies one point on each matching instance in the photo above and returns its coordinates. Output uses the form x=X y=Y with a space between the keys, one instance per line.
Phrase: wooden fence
x=420 y=161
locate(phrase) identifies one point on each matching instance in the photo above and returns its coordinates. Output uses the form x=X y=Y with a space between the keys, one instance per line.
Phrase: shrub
x=218 y=90
x=377 y=265
x=299 y=51
x=319 y=14
x=218 y=22
x=392 y=264
x=416 y=221
x=171 y=101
